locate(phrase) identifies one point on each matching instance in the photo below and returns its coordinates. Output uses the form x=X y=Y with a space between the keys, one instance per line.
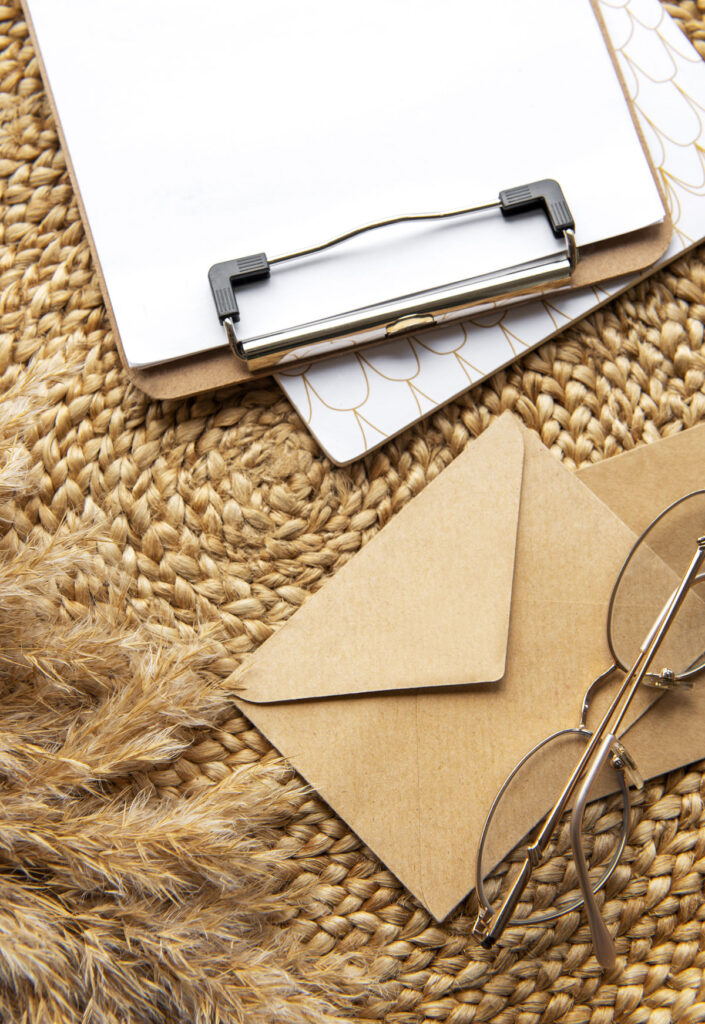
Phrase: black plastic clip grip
x=224 y=276
x=546 y=194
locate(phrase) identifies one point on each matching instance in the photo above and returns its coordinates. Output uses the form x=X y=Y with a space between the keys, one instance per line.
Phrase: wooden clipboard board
x=218 y=368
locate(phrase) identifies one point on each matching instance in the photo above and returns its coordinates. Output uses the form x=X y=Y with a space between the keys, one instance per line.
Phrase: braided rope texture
x=223 y=515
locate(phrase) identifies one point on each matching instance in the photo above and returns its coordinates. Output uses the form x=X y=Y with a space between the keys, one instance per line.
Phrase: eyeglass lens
x=530 y=793
x=648 y=579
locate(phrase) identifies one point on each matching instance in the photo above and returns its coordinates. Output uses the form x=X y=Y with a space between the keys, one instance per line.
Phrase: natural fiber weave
x=223 y=513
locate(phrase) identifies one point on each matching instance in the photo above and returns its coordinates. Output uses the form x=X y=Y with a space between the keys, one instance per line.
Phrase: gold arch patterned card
x=353 y=403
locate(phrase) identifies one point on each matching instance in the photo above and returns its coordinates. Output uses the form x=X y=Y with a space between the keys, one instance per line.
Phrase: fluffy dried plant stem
x=117 y=904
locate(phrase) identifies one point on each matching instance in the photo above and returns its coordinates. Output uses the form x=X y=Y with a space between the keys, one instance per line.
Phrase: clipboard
x=216 y=368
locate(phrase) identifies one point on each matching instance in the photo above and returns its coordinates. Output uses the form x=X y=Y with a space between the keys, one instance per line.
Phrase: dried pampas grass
x=116 y=904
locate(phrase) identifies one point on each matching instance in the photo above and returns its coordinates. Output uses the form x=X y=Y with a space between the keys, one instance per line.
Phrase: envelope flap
x=390 y=619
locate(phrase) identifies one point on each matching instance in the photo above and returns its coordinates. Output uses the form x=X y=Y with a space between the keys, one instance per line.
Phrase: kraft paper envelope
x=465 y=632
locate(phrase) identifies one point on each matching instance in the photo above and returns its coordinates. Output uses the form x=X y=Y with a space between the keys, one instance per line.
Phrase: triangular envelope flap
x=425 y=604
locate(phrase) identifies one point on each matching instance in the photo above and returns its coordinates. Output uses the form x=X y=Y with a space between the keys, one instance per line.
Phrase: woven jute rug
x=219 y=516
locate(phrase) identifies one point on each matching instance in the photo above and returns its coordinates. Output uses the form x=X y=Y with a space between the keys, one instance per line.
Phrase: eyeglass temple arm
x=629 y=687
x=601 y=938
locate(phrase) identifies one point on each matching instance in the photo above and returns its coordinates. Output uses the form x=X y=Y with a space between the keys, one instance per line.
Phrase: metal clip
x=406 y=313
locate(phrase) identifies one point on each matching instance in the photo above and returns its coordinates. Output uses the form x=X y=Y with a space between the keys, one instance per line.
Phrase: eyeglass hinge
x=480 y=928
x=623 y=761
x=534 y=854
x=667 y=680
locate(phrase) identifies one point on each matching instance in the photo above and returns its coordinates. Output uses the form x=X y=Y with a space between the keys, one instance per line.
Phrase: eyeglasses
x=656 y=617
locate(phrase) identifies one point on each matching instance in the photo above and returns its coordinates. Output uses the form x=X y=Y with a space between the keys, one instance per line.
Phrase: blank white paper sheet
x=200 y=133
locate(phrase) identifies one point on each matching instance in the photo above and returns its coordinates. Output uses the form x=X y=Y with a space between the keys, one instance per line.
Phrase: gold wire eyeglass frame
x=602 y=748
